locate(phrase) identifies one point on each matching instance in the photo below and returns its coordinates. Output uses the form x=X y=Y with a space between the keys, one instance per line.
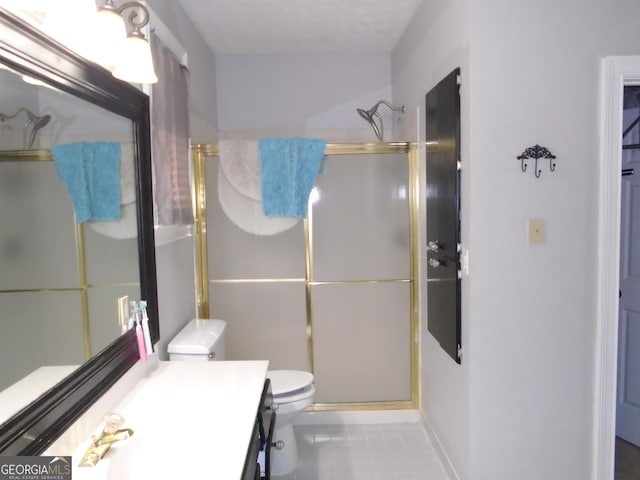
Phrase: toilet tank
x=200 y=340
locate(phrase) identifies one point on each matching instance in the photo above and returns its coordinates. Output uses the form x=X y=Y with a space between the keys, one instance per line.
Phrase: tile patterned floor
x=627 y=461
x=401 y=451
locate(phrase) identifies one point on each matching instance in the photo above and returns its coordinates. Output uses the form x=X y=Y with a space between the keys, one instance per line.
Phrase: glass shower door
x=360 y=280
x=335 y=294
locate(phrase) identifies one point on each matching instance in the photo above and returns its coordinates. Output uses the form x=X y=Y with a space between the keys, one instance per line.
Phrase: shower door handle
x=434 y=263
x=433 y=246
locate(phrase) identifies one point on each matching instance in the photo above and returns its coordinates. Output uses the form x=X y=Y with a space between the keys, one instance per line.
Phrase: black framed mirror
x=27 y=51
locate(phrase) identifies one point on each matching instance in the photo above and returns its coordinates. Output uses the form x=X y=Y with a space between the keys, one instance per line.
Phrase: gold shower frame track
x=199 y=154
x=42 y=155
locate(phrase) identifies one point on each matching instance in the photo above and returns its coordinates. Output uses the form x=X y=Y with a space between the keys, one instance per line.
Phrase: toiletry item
x=145 y=327
x=133 y=314
x=141 y=348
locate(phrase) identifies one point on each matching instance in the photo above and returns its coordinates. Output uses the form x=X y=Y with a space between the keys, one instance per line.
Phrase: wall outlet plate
x=536 y=231
x=123 y=311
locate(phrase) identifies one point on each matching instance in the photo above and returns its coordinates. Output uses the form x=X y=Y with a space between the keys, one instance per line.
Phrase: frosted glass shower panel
x=31 y=340
x=361 y=342
x=37 y=219
x=265 y=320
x=111 y=260
x=361 y=218
x=235 y=253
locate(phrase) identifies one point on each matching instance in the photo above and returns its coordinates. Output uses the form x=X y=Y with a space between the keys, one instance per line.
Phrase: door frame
x=615 y=73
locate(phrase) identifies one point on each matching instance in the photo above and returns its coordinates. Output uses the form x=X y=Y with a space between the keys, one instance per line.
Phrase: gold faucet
x=110 y=434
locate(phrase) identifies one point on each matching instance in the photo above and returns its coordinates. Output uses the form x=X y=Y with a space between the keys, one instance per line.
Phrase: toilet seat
x=297 y=396
x=291 y=385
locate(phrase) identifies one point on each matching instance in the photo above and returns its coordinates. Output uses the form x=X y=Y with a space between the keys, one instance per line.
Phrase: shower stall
x=335 y=294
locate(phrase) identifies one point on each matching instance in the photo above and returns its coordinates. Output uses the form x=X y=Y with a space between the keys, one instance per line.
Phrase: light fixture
x=111 y=29
x=128 y=56
x=98 y=35
x=72 y=23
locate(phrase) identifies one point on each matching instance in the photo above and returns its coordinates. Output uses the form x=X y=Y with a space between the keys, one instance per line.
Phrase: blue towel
x=91 y=173
x=288 y=170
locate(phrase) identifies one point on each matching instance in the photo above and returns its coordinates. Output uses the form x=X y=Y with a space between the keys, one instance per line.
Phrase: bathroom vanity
x=190 y=420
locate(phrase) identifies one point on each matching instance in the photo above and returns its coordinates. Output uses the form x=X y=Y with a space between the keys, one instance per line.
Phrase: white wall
x=300 y=94
x=531 y=76
x=532 y=386
x=434 y=44
x=175 y=263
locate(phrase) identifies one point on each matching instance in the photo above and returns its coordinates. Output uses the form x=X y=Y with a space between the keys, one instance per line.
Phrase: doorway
x=627 y=449
x=616 y=73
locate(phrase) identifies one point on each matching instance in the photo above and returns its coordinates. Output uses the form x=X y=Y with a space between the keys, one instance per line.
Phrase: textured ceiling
x=300 y=26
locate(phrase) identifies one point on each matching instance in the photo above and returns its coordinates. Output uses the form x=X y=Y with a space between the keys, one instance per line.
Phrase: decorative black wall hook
x=536 y=152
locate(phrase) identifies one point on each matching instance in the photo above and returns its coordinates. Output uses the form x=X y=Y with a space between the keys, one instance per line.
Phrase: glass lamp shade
x=110 y=34
x=71 y=23
x=136 y=64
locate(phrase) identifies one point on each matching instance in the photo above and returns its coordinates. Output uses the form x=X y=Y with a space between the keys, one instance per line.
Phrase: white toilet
x=293 y=390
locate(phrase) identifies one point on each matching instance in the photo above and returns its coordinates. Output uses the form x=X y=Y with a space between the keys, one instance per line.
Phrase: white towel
x=247 y=213
x=125 y=227
x=241 y=165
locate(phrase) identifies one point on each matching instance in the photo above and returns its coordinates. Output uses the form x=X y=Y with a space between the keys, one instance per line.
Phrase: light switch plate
x=536 y=231
x=123 y=311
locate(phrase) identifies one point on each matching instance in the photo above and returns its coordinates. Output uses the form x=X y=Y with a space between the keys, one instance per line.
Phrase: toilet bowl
x=292 y=390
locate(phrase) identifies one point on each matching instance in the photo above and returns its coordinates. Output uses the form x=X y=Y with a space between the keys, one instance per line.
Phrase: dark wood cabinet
x=442 y=127
x=251 y=469
x=262 y=438
x=266 y=424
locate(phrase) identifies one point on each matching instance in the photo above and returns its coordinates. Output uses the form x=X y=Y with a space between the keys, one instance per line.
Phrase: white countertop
x=26 y=390
x=190 y=420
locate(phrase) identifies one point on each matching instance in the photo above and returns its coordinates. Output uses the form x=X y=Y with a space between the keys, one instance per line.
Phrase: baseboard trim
x=437 y=446
x=358 y=417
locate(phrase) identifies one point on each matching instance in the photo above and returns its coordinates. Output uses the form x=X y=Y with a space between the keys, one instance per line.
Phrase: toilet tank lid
x=198 y=337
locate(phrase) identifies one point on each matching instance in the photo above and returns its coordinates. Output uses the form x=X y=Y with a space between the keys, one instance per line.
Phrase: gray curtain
x=169 y=134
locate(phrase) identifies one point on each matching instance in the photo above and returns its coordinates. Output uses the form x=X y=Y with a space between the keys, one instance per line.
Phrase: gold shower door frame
x=199 y=154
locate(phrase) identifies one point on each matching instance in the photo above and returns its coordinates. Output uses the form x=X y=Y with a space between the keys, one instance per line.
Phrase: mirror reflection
x=60 y=280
